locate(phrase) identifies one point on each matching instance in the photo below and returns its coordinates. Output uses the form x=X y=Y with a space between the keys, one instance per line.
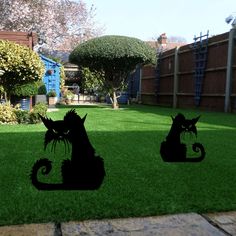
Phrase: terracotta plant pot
x=50 y=72
x=52 y=100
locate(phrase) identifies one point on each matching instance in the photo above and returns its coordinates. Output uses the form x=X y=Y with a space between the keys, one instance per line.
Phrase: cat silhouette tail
x=46 y=167
x=196 y=148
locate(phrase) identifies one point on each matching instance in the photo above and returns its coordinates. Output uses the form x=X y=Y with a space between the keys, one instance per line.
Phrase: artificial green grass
x=137 y=182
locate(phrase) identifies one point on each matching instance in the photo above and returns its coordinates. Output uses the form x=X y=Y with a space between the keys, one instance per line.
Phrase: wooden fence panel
x=22 y=38
x=214 y=82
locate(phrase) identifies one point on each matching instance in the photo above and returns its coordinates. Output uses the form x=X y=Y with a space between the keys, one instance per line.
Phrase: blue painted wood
x=51 y=77
x=134 y=83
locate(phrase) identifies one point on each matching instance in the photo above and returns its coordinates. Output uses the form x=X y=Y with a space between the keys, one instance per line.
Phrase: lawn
x=137 y=182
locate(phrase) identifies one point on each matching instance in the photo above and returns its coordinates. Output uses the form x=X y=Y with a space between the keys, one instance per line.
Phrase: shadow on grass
x=138 y=182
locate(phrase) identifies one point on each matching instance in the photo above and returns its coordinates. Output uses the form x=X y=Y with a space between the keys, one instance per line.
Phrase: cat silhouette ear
x=84 y=118
x=195 y=120
x=47 y=122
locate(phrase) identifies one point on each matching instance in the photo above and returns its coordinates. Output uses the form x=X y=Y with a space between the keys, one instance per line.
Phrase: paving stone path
x=191 y=224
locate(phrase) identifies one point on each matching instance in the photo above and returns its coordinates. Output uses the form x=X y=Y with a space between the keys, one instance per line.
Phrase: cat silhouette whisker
x=66 y=145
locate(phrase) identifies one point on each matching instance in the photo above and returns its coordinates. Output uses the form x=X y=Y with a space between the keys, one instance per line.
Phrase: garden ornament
x=85 y=170
x=172 y=150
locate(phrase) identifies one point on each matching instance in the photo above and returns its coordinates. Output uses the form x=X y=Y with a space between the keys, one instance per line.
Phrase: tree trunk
x=115 y=104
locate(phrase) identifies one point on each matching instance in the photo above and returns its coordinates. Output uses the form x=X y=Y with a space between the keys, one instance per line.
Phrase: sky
x=148 y=19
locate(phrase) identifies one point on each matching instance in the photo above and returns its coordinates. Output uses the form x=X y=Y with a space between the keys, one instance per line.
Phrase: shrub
x=42 y=89
x=39 y=108
x=13 y=115
x=20 y=65
x=52 y=93
x=22 y=116
x=7 y=114
x=25 y=90
x=92 y=80
x=68 y=94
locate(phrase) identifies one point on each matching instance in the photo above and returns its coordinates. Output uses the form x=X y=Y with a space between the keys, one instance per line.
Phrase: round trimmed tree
x=19 y=65
x=115 y=57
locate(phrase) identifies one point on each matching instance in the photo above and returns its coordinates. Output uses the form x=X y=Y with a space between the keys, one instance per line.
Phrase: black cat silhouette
x=172 y=150
x=85 y=170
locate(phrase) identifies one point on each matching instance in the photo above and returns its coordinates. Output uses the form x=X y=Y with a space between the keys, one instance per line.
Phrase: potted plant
x=68 y=95
x=23 y=94
x=52 y=97
x=41 y=95
x=50 y=72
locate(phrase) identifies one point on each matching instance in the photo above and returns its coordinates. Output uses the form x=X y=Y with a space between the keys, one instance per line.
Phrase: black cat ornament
x=172 y=150
x=85 y=170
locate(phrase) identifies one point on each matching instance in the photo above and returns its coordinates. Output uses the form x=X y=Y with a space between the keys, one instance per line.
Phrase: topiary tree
x=20 y=65
x=115 y=57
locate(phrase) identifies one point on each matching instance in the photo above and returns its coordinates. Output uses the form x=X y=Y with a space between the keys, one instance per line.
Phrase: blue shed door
x=51 y=82
x=52 y=75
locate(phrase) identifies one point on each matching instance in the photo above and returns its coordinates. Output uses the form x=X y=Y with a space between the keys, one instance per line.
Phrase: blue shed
x=51 y=78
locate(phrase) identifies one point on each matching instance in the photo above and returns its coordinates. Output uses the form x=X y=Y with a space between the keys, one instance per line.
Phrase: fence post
x=229 y=75
x=139 y=95
x=176 y=79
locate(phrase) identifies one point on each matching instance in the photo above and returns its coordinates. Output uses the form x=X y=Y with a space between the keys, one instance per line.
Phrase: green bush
x=39 y=108
x=68 y=94
x=13 y=115
x=22 y=116
x=25 y=90
x=92 y=80
x=7 y=114
x=42 y=90
x=20 y=64
x=52 y=93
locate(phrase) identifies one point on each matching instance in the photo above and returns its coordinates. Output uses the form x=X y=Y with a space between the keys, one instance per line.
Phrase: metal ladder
x=200 y=52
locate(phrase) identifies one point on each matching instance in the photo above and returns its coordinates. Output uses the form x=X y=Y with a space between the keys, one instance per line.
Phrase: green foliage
x=13 y=115
x=20 y=64
x=1 y=89
x=68 y=94
x=117 y=53
x=52 y=93
x=39 y=108
x=25 y=90
x=42 y=90
x=92 y=80
x=115 y=57
x=22 y=116
x=7 y=114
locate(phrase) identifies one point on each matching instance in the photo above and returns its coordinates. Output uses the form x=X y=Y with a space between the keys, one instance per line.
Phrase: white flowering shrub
x=7 y=114
x=20 y=64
